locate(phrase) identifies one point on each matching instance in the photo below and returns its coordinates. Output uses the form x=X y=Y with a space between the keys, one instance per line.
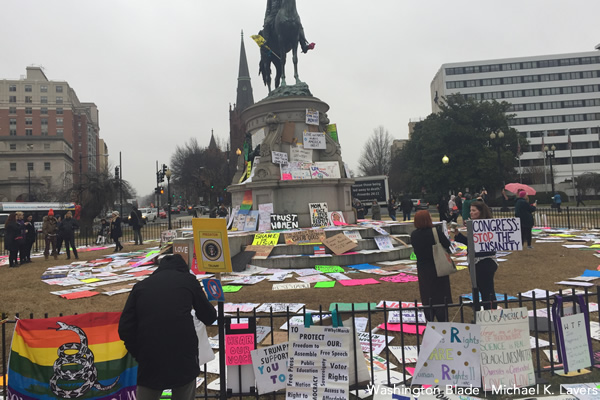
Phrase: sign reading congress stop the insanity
x=498 y=234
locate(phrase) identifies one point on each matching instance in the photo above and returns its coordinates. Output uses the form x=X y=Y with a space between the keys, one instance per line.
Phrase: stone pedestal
x=292 y=196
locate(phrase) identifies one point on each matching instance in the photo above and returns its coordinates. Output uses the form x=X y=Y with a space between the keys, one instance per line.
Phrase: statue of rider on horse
x=282 y=31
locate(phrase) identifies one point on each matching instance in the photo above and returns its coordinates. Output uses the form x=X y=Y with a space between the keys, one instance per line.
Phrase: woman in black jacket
x=68 y=227
x=434 y=290
x=12 y=231
x=29 y=237
x=115 y=230
x=485 y=262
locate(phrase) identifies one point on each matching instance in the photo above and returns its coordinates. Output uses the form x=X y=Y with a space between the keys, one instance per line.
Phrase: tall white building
x=553 y=97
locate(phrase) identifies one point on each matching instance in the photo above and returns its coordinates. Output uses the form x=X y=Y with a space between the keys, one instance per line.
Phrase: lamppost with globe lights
x=446 y=161
x=497 y=145
x=550 y=154
x=168 y=174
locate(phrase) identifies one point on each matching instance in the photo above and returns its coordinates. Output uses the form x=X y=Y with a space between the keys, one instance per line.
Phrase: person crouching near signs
x=434 y=290
x=158 y=330
x=485 y=262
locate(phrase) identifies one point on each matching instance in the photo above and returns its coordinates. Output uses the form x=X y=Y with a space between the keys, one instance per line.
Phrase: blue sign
x=214 y=290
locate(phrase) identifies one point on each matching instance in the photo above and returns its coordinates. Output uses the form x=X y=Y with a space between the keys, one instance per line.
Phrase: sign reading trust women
x=497 y=234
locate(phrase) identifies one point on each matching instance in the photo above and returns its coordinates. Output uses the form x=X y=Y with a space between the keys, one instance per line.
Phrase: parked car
x=420 y=204
x=200 y=210
x=149 y=213
x=162 y=214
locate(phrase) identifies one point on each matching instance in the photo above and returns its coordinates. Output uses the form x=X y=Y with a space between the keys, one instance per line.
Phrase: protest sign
x=167 y=236
x=284 y=221
x=339 y=244
x=325 y=170
x=265 y=239
x=573 y=335
x=279 y=157
x=212 y=244
x=384 y=242
x=449 y=355
x=264 y=216
x=314 y=140
x=300 y=154
x=336 y=218
x=291 y=286
x=353 y=235
x=505 y=354
x=251 y=221
x=318 y=214
x=312 y=117
x=270 y=367
x=262 y=252
x=318 y=363
x=332 y=132
x=305 y=236
x=238 y=348
x=498 y=234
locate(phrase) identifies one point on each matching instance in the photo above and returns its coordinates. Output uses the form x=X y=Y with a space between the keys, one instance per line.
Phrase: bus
x=38 y=209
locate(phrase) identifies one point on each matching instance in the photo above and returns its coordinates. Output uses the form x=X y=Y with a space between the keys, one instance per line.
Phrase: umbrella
x=515 y=187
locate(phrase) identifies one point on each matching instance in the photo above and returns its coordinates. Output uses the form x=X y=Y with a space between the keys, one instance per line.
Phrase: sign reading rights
x=498 y=234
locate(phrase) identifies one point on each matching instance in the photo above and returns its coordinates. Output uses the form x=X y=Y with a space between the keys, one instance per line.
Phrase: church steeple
x=244 y=90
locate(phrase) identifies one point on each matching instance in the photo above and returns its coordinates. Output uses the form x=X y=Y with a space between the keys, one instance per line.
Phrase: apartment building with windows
x=555 y=99
x=45 y=132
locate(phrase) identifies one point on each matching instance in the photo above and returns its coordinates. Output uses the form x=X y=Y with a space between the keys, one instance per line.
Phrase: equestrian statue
x=282 y=31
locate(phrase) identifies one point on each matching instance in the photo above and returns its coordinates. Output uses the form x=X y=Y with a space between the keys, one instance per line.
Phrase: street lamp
x=446 y=161
x=497 y=145
x=550 y=154
x=168 y=175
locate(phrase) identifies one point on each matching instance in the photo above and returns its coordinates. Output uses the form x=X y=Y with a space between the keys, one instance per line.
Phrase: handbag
x=205 y=352
x=444 y=265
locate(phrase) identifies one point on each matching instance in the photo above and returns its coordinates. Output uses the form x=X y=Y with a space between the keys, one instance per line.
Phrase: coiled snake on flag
x=84 y=357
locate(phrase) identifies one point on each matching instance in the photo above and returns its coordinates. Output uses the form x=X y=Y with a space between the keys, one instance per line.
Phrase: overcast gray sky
x=162 y=72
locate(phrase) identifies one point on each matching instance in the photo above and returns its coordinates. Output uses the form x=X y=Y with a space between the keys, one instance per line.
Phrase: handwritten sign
x=325 y=170
x=265 y=239
x=318 y=359
x=314 y=140
x=238 y=348
x=270 y=367
x=305 y=236
x=449 y=355
x=575 y=343
x=279 y=157
x=183 y=249
x=498 y=234
x=284 y=221
x=505 y=354
x=384 y=242
x=318 y=214
x=167 y=236
x=291 y=286
x=312 y=117
x=300 y=154
x=339 y=244
x=264 y=216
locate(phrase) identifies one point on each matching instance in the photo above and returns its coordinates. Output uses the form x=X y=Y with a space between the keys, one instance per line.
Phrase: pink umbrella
x=516 y=187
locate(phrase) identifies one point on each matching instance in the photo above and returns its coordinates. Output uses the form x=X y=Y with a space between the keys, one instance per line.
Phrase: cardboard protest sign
x=212 y=244
x=497 y=234
x=318 y=214
x=450 y=355
x=312 y=117
x=314 y=140
x=305 y=236
x=279 y=157
x=300 y=154
x=339 y=244
x=505 y=354
x=265 y=239
x=284 y=221
x=318 y=359
x=262 y=252
x=270 y=367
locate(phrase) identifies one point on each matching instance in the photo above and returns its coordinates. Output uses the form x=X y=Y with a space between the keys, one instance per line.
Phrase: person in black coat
x=406 y=205
x=12 y=231
x=158 y=330
x=115 y=230
x=136 y=222
x=434 y=290
x=524 y=211
x=67 y=229
x=29 y=237
x=485 y=262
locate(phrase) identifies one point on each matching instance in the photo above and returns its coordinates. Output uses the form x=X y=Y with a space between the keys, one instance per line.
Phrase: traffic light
x=162 y=191
x=156 y=190
x=164 y=170
x=117 y=172
x=212 y=186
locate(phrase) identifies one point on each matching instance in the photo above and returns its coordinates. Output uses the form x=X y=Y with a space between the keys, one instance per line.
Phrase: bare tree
x=376 y=156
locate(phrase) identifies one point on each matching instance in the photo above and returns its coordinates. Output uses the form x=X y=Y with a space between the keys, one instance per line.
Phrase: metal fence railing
x=544 y=366
x=567 y=218
x=87 y=237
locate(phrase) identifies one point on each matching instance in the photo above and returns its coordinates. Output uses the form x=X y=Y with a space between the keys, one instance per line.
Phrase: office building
x=556 y=102
x=48 y=139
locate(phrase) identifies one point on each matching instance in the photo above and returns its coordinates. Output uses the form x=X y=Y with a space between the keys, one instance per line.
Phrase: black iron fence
x=540 y=330
x=88 y=237
x=566 y=217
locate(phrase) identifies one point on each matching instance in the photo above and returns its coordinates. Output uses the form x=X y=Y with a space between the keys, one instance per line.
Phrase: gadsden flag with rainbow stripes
x=72 y=357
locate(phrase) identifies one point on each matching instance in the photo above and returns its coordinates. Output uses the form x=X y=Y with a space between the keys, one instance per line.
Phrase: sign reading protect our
x=211 y=244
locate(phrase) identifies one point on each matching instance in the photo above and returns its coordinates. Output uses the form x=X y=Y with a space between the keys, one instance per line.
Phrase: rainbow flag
x=72 y=357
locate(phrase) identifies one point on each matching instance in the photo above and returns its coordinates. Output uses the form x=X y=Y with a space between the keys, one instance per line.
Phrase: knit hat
x=522 y=193
x=115 y=213
x=51 y=212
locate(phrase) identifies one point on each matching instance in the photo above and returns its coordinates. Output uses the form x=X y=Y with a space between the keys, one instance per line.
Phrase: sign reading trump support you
x=498 y=234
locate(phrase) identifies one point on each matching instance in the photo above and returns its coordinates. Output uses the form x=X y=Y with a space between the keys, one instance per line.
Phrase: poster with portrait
x=212 y=244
